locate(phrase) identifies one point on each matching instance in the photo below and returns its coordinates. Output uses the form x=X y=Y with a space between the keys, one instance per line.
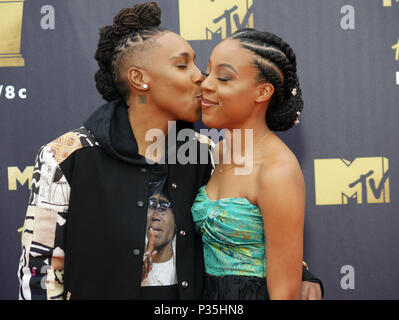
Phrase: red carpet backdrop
x=347 y=141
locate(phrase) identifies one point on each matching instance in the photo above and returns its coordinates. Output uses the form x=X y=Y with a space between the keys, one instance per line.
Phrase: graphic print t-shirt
x=159 y=277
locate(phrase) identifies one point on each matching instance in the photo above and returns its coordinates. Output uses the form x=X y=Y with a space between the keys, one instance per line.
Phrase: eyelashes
x=220 y=79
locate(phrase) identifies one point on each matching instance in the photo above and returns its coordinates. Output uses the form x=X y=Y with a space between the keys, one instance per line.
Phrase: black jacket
x=107 y=213
x=94 y=179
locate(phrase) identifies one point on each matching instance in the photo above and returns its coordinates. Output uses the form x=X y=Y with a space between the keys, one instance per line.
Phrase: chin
x=192 y=117
x=211 y=122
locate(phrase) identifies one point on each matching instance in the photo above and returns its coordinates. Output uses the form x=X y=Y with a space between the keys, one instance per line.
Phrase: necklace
x=221 y=165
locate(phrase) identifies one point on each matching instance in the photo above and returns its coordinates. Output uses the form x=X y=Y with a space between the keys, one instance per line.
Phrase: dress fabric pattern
x=232 y=234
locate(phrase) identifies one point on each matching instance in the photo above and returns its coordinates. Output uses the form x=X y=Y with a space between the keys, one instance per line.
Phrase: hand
x=149 y=255
x=310 y=291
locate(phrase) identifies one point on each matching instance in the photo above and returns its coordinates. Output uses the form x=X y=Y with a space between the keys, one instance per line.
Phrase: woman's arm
x=281 y=197
x=41 y=266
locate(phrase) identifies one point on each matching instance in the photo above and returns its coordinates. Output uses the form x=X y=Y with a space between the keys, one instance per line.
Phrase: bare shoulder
x=280 y=168
x=280 y=185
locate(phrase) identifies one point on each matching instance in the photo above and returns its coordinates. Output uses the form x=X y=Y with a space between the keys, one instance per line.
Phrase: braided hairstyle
x=127 y=36
x=276 y=63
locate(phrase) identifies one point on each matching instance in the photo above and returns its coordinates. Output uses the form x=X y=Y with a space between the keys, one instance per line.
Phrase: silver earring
x=145 y=86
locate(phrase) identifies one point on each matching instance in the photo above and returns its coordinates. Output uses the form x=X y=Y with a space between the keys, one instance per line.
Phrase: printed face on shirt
x=160 y=220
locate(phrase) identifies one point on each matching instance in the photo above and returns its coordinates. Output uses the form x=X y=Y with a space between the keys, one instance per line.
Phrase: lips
x=206 y=104
x=156 y=229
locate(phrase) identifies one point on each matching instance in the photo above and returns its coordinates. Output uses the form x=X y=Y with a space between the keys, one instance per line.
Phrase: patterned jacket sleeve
x=41 y=266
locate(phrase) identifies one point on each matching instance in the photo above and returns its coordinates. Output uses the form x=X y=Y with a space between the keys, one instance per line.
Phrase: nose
x=197 y=76
x=153 y=214
x=207 y=85
x=202 y=78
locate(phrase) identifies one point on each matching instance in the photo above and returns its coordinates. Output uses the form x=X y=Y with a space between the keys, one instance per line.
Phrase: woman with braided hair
x=251 y=223
x=96 y=227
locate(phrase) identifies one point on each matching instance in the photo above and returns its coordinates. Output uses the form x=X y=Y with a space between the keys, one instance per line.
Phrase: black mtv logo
x=375 y=189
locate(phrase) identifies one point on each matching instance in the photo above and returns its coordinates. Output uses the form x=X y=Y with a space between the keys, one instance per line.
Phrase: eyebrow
x=227 y=66
x=183 y=54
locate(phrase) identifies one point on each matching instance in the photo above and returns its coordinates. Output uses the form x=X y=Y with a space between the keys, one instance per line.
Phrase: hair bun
x=282 y=118
x=138 y=17
x=105 y=47
x=105 y=85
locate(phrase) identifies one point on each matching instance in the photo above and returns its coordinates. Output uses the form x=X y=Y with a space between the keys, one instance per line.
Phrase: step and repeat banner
x=347 y=141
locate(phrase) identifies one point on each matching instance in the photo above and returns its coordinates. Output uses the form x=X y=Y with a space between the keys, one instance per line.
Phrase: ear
x=138 y=78
x=264 y=92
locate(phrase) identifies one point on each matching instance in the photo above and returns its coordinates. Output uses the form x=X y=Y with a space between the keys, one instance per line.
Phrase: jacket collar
x=111 y=127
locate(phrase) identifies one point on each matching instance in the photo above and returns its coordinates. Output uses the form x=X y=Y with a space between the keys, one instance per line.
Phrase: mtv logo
x=395 y=47
x=387 y=3
x=15 y=175
x=363 y=180
x=214 y=19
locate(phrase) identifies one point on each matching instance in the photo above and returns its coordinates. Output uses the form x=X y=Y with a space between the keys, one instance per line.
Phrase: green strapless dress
x=234 y=247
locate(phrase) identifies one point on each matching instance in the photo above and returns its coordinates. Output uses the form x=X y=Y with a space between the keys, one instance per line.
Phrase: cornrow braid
x=276 y=63
x=131 y=28
x=127 y=46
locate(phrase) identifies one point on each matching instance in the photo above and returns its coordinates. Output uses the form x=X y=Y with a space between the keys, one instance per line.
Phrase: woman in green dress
x=251 y=215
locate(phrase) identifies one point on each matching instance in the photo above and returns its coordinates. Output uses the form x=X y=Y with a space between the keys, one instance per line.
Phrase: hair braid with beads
x=276 y=63
x=128 y=34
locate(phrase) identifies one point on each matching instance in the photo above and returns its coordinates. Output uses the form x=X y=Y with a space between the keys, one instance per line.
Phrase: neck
x=144 y=117
x=164 y=253
x=241 y=143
